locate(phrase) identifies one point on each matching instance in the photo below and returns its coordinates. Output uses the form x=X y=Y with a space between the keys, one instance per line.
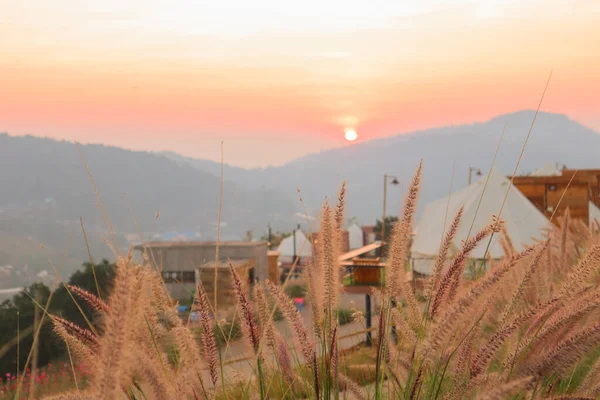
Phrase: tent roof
x=594 y=213
x=547 y=170
x=303 y=246
x=523 y=221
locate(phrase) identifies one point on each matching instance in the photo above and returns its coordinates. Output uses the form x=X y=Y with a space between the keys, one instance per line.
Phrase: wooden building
x=183 y=263
x=545 y=192
x=363 y=267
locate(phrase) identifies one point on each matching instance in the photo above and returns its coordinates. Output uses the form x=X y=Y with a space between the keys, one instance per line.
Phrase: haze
x=276 y=80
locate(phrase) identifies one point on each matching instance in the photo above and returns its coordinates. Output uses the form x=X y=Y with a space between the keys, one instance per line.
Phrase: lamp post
x=471 y=170
x=394 y=181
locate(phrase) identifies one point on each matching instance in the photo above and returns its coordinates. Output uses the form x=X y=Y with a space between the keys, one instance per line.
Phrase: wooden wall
x=545 y=192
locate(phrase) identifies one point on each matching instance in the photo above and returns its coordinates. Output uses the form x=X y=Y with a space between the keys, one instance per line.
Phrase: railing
x=370 y=276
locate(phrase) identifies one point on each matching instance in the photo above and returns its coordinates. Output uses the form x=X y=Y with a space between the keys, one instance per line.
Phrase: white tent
x=355 y=236
x=523 y=221
x=303 y=246
x=547 y=170
x=594 y=214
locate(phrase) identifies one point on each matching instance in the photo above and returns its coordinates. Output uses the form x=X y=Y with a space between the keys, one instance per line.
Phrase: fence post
x=369 y=340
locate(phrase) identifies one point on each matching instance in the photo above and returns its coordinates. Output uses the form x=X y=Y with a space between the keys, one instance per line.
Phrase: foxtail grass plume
x=450 y=278
x=264 y=316
x=98 y=304
x=209 y=344
x=245 y=310
x=442 y=255
x=294 y=320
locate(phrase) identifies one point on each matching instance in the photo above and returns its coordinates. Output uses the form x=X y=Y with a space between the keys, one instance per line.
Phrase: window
x=171 y=276
x=179 y=276
x=188 y=277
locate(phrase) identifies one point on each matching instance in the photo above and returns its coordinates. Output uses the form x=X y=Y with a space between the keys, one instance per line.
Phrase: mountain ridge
x=158 y=193
x=46 y=190
x=554 y=138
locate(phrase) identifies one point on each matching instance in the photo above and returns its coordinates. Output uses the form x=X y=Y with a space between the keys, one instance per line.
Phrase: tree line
x=18 y=316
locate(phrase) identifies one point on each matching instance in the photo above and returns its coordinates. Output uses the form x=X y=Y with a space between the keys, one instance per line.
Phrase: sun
x=350 y=135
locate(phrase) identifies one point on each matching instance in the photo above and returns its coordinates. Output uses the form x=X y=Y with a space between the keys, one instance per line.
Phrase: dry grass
x=528 y=327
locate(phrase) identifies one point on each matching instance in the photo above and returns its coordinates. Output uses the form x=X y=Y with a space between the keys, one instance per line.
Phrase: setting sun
x=350 y=135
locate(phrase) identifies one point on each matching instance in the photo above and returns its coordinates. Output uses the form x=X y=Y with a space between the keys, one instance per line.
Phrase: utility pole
x=270 y=240
x=294 y=240
x=471 y=170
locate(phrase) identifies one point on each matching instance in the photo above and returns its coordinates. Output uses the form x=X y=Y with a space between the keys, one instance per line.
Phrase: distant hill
x=555 y=138
x=45 y=189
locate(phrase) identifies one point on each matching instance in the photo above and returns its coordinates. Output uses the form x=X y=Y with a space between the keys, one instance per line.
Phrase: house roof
x=166 y=244
x=225 y=264
x=363 y=250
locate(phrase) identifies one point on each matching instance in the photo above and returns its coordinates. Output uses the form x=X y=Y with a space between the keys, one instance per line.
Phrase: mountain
x=554 y=138
x=46 y=189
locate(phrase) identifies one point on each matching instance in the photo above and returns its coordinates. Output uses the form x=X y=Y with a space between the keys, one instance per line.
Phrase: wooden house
x=575 y=189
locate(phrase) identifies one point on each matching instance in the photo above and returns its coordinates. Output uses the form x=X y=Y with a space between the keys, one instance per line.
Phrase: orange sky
x=277 y=79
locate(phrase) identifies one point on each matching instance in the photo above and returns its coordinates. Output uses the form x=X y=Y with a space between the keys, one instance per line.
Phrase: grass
x=527 y=327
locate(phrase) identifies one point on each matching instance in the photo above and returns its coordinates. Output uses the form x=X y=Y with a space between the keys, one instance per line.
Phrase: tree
x=390 y=221
x=62 y=302
x=276 y=238
x=17 y=316
x=249 y=235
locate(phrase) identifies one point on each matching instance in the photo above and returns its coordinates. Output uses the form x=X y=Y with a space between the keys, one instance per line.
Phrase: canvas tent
x=523 y=221
x=547 y=170
x=355 y=236
x=303 y=246
x=594 y=214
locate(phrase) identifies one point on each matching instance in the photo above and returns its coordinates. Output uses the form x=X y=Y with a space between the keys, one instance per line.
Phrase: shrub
x=295 y=291
x=344 y=315
x=229 y=330
x=278 y=315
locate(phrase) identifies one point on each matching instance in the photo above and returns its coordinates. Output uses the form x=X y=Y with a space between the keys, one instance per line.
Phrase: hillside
x=42 y=203
x=555 y=138
x=45 y=190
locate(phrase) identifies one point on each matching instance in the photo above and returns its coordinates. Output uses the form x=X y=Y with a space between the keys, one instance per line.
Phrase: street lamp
x=394 y=181
x=471 y=170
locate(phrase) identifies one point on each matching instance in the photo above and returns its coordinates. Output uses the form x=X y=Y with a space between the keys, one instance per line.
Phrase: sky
x=276 y=79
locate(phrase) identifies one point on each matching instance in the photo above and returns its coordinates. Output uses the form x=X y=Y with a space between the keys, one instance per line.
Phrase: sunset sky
x=278 y=79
